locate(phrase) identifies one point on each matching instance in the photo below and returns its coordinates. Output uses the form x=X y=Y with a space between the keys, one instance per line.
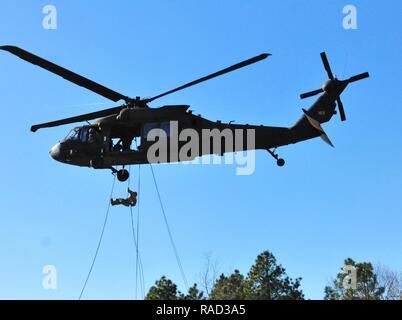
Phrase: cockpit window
x=164 y=126
x=73 y=134
x=84 y=134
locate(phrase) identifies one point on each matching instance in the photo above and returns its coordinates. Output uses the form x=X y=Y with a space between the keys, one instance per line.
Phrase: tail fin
x=316 y=125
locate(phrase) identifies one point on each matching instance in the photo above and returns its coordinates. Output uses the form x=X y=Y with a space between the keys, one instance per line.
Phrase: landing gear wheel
x=122 y=175
x=280 y=162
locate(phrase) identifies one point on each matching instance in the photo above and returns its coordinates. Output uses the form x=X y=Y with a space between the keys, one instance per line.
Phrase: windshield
x=73 y=134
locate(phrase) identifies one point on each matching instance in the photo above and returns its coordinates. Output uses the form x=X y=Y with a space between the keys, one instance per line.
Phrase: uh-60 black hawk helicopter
x=92 y=145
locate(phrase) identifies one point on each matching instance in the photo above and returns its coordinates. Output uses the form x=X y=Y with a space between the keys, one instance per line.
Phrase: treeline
x=268 y=280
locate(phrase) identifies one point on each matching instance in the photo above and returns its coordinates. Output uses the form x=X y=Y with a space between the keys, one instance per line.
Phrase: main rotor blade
x=359 y=77
x=341 y=109
x=326 y=65
x=66 y=74
x=310 y=94
x=213 y=75
x=83 y=117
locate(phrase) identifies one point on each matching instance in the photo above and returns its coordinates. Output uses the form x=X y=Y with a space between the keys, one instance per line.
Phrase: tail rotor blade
x=359 y=77
x=341 y=109
x=311 y=93
x=326 y=65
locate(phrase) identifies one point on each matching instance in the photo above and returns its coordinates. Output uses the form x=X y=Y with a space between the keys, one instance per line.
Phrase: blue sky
x=323 y=206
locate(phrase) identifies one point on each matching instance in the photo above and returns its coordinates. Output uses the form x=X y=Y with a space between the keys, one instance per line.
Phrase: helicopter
x=107 y=142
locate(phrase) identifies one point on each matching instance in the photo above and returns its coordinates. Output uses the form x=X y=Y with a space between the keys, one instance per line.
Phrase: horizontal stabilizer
x=316 y=125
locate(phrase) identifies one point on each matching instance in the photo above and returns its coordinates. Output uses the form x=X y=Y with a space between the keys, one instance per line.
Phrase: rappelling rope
x=139 y=268
x=138 y=262
x=138 y=265
x=138 y=239
x=100 y=239
x=169 y=231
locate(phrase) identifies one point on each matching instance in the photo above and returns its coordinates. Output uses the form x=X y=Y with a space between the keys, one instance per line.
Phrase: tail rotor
x=334 y=86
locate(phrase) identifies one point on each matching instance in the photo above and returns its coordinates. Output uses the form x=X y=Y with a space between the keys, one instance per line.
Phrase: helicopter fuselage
x=124 y=139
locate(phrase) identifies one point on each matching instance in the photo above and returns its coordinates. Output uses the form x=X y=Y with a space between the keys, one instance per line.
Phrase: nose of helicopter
x=55 y=151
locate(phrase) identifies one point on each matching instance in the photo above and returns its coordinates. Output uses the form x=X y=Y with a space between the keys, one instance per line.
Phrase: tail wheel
x=280 y=162
x=122 y=175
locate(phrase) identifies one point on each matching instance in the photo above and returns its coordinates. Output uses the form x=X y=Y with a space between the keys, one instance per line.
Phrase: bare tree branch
x=391 y=280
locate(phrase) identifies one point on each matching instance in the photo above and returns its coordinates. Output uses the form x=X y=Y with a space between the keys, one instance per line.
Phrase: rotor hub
x=330 y=85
